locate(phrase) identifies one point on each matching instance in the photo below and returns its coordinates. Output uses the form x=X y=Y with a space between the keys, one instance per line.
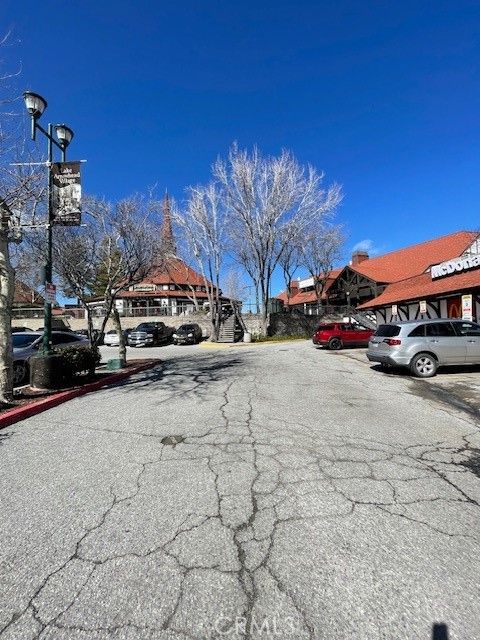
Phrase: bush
x=278 y=338
x=79 y=360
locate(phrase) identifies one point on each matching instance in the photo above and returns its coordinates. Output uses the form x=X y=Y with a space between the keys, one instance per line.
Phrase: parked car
x=95 y=334
x=187 y=334
x=110 y=339
x=336 y=335
x=425 y=345
x=150 y=334
x=27 y=344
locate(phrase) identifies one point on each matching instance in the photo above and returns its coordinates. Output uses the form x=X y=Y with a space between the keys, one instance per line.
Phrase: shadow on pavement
x=192 y=374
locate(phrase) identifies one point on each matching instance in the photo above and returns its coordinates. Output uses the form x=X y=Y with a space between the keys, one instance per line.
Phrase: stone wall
x=293 y=324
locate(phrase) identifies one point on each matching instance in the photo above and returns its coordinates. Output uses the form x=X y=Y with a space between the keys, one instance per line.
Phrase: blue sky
x=383 y=96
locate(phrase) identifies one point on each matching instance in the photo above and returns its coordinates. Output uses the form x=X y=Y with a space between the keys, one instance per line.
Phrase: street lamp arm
x=47 y=135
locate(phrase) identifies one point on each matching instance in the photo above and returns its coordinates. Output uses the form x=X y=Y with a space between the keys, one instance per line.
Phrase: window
x=165 y=287
x=387 y=330
x=21 y=341
x=467 y=329
x=172 y=287
x=444 y=329
x=418 y=332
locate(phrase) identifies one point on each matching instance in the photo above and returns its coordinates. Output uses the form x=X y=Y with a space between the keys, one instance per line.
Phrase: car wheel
x=423 y=365
x=335 y=344
x=20 y=373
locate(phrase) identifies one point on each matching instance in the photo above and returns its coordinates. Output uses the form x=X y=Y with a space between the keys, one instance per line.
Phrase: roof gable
x=416 y=259
x=175 y=271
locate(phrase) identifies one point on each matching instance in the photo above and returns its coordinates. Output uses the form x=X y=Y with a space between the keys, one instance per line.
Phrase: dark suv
x=150 y=334
x=187 y=334
x=336 y=335
x=425 y=345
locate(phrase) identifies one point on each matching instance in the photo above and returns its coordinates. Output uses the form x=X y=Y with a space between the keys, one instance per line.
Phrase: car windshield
x=20 y=341
x=387 y=330
x=187 y=327
x=145 y=327
x=325 y=327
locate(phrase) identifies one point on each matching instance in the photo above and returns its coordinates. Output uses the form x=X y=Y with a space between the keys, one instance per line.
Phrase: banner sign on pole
x=394 y=310
x=467 y=308
x=66 y=193
x=50 y=293
x=423 y=306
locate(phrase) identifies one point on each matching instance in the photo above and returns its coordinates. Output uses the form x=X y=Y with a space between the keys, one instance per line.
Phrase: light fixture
x=64 y=134
x=35 y=104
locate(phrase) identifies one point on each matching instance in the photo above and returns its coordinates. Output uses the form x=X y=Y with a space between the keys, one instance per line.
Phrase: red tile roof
x=26 y=296
x=413 y=260
x=309 y=296
x=174 y=271
x=422 y=286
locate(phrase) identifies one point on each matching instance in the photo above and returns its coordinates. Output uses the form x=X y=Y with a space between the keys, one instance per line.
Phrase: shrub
x=78 y=360
x=277 y=338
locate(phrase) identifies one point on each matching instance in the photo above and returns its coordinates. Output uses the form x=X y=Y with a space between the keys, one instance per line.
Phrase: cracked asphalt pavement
x=307 y=496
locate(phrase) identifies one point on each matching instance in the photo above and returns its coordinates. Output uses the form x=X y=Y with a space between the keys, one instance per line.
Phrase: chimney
x=358 y=257
x=294 y=288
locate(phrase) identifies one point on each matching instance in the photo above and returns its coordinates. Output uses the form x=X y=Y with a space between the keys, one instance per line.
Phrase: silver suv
x=425 y=345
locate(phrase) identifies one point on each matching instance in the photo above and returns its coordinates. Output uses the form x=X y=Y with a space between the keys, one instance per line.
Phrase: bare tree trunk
x=257 y=299
x=91 y=335
x=264 y=307
x=122 y=349
x=7 y=285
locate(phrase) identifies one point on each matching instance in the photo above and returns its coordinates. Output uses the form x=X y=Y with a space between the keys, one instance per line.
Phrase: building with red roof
x=436 y=278
x=172 y=288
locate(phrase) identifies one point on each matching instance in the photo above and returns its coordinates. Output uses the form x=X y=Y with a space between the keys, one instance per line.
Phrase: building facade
x=171 y=289
x=436 y=278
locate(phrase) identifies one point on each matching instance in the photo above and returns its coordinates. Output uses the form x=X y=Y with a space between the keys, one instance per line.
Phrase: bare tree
x=263 y=196
x=127 y=249
x=241 y=250
x=291 y=258
x=203 y=224
x=75 y=258
x=234 y=285
x=20 y=194
x=321 y=248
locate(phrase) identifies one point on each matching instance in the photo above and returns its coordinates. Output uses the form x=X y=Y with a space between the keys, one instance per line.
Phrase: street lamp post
x=36 y=105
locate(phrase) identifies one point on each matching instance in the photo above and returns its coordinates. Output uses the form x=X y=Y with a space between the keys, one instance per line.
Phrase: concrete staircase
x=366 y=319
x=230 y=330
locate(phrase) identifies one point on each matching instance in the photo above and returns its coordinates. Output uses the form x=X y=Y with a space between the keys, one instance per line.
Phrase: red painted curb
x=11 y=416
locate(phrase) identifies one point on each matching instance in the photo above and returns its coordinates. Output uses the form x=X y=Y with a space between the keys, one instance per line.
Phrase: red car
x=336 y=335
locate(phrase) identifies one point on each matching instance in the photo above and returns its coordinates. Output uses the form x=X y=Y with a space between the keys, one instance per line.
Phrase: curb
x=11 y=416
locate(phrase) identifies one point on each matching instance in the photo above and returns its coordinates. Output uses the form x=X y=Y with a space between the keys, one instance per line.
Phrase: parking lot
x=235 y=490
x=457 y=386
